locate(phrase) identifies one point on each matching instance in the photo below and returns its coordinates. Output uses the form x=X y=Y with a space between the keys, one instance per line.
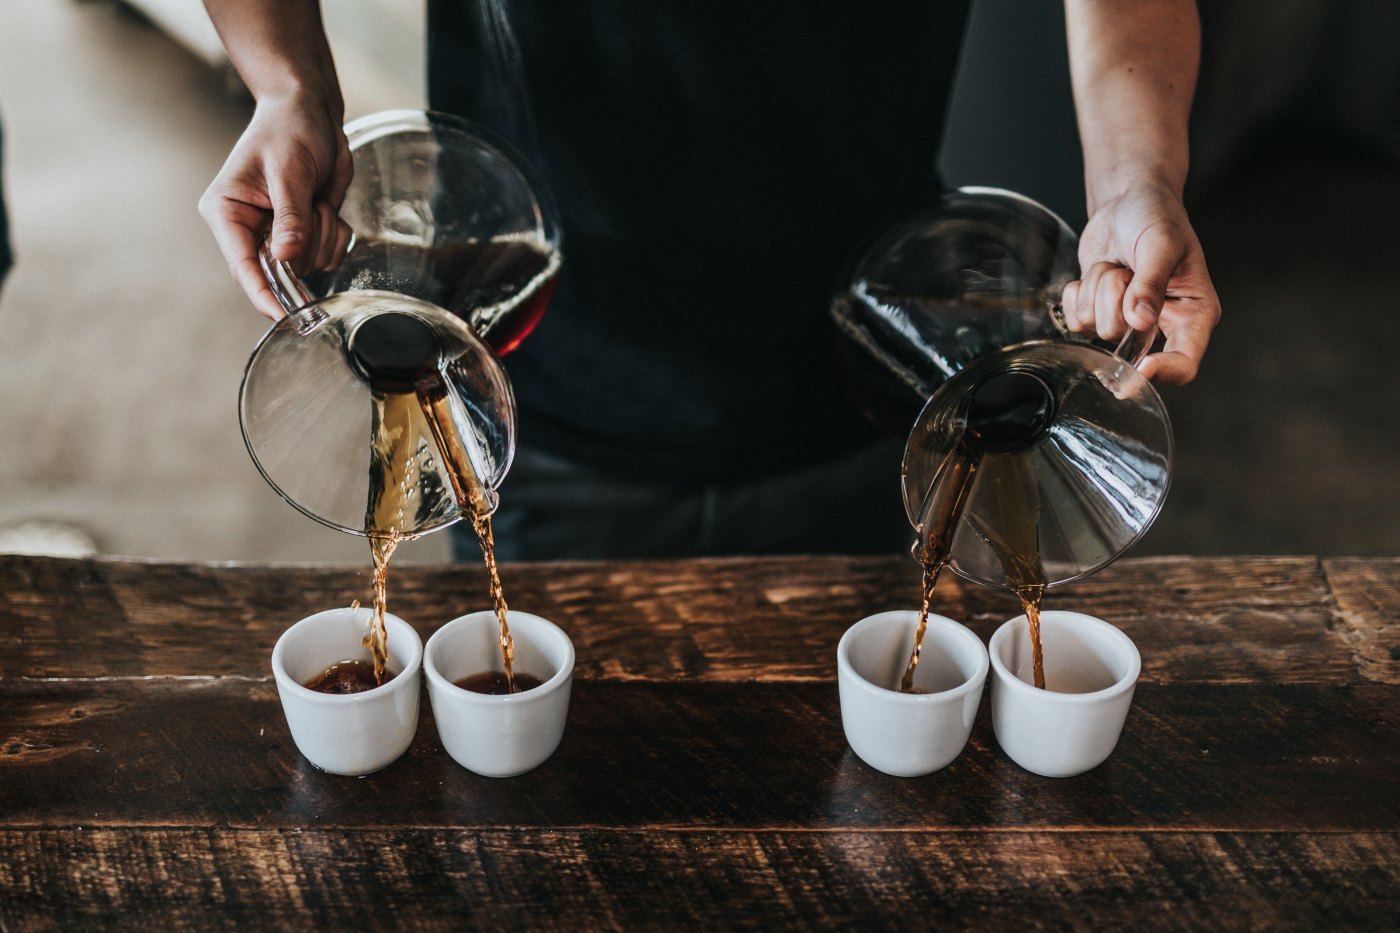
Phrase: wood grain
x=147 y=777
x=205 y=878
x=1367 y=594
x=1217 y=757
x=1217 y=620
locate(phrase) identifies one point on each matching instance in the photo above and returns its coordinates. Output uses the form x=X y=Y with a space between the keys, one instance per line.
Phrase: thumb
x=291 y=213
x=1155 y=259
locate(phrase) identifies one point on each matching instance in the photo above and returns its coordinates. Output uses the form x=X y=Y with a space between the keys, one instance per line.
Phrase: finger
x=1156 y=256
x=1185 y=347
x=1108 y=303
x=327 y=229
x=1069 y=304
x=248 y=273
x=342 y=244
x=342 y=174
x=237 y=227
x=1083 y=318
x=305 y=261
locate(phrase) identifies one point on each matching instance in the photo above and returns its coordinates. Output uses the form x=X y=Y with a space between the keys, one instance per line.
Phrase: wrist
x=1106 y=184
x=307 y=96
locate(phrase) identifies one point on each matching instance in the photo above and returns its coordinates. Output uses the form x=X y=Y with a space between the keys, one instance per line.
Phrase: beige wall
x=122 y=339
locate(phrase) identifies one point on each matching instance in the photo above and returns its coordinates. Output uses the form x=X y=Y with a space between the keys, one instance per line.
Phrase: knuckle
x=290 y=214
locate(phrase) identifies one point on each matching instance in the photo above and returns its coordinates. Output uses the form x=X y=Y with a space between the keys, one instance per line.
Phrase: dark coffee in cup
x=348 y=677
x=494 y=683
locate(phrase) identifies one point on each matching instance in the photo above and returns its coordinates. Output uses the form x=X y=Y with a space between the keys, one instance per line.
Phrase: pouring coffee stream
x=398 y=355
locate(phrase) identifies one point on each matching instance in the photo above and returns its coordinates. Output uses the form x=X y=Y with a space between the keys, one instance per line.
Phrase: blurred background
x=122 y=338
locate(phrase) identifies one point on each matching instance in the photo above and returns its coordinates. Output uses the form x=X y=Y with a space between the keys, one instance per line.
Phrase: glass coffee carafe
x=379 y=401
x=1029 y=443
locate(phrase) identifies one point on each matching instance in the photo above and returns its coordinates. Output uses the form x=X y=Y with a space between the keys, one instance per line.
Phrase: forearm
x=279 y=48
x=1133 y=64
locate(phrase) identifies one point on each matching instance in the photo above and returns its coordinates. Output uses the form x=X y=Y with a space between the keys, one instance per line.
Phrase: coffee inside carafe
x=499 y=286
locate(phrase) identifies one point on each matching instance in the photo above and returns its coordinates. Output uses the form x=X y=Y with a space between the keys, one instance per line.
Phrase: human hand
x=291 y=165
x=1143 y=267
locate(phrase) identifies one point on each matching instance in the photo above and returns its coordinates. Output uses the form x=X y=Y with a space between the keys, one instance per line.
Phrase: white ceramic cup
x=1073 y=724
x=354 y=733
x=909 y=734
x=506 y=735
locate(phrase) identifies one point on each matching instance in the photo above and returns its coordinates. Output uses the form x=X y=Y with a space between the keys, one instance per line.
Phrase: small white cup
x=909 y=734
x=506 y=735
x=1073 y=724
x=354 y=733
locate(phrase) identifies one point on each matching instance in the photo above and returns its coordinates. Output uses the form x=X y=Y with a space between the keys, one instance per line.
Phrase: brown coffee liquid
x=1005 y=417
x=348 y=677
x=391 y=514
x=1010 y=524
x=1031 y=597
x=398 y=356
x=472 y=500
x=496 y=683
x=942 y=510
x=415 y=442
x=501 y=287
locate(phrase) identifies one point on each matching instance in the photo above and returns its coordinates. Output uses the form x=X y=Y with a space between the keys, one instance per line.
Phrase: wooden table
x=147 y=776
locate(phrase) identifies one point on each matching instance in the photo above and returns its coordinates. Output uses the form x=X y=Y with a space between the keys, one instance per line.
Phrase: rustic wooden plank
x=629 y=621
x=1217 y=757
x=1367 y=593
x=198 y=878
x=1220 y=619
x=1195 y=620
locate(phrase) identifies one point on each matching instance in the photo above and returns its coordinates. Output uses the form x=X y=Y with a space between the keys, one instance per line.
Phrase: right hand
x=291 y=165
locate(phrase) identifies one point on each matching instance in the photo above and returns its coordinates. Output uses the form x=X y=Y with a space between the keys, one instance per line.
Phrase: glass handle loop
x=1135 y=346
x=286 y=285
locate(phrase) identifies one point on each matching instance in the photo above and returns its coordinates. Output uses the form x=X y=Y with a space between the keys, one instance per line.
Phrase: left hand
x=1142 y=266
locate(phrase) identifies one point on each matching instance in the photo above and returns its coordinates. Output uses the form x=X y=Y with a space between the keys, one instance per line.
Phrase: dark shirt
x=716 y=165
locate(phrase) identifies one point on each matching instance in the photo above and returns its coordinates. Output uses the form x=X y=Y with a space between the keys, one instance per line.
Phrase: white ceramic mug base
x=499 y=736
x=355 y=733
x=1072 y=725
x=903 y=734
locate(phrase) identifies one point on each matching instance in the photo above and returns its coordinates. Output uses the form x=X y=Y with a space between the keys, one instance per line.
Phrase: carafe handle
x=286 y=285
x=1135 y=346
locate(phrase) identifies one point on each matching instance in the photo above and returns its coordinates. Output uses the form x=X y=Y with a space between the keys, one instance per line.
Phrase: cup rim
x=288 y=682
x=1012 y=682
x=846 y=670
x=437 y=679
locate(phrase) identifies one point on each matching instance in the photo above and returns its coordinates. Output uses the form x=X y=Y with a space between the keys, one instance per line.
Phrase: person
x=715 y=166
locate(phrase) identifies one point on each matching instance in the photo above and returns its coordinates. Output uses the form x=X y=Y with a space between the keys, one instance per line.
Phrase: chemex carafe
x=453 y=257
x=1029 y=443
